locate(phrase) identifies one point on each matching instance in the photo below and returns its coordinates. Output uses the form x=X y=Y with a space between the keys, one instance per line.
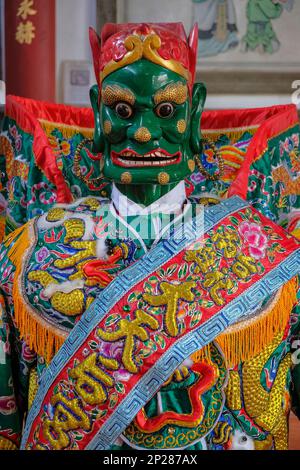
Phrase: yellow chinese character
x=244 y=266
x=171 y=294
x=68 y=415
x=204 y=257
x=92 y=380
x=215 y=282
x=25 y=32
x=227 y=241
x=25 y=9
x=130 y=330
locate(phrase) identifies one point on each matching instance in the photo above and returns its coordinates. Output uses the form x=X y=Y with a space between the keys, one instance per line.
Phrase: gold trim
x=67 y=130
x=151 y=44
x=231 y=129
x=138 y=47
x=134 y=47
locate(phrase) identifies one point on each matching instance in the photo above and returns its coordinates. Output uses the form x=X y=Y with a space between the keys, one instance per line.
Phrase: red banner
x=30 y=48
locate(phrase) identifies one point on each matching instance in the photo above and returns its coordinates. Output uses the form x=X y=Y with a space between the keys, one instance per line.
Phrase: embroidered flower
x=209 y=156
x=42 y=254
x=28 y=354
x=122 y=374
x=286 y=145
x=197 y=177
x=115 y=351
x=7 y=405
x=60 y=147
x=255 y=238
x=295 y=139
x=281 y=149
x=17 y=138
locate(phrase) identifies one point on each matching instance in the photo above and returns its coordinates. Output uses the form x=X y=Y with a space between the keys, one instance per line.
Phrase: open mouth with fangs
x=158 y=157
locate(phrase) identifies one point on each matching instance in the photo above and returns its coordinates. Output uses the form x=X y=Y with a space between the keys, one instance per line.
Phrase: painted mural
x=222 y=29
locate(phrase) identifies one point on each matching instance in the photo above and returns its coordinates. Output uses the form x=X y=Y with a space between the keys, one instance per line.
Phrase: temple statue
x=148 y=269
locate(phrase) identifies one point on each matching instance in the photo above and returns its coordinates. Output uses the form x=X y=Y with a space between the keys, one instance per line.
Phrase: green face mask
x=147 y=127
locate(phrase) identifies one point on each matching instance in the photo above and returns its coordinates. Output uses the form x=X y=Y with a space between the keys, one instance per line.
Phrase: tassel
x=233 y=134
x=12 y=236
x=40 y=336
x=203 y=355
x=67 y=130
x=246 y=339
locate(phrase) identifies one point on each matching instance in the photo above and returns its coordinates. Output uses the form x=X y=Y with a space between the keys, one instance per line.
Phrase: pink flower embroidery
x=115 y=351
x=286 y=145
x=28 y=354
x=255 y=238
x=295 y=138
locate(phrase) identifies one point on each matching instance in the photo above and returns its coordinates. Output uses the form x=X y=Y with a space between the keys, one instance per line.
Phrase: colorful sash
x=169 y=304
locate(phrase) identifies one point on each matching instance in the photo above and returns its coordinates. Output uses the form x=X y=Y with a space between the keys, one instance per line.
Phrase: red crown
x=165 y=44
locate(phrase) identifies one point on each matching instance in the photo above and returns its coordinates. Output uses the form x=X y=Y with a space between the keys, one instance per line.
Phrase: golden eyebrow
x=113 y=93
x=176 y=92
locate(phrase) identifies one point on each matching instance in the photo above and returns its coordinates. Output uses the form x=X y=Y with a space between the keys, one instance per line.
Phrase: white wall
x=73 y=18
x=156 y=11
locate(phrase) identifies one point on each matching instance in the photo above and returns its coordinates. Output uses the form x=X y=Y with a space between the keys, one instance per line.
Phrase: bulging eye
x=123 y=110
x=164 y=110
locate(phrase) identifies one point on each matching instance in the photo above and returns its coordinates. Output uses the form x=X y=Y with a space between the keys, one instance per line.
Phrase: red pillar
x=30 y=48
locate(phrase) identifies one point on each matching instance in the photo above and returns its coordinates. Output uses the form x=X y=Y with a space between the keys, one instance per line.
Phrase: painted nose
x=144 y=132
x=142 y=135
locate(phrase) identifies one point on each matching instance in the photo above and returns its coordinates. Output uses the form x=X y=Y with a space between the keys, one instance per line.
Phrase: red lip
x=155 y=158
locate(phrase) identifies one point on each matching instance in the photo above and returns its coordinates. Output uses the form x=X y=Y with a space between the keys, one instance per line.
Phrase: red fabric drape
x=30 y=48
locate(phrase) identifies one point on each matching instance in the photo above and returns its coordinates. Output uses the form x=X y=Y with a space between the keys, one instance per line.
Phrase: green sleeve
x=270 y=9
